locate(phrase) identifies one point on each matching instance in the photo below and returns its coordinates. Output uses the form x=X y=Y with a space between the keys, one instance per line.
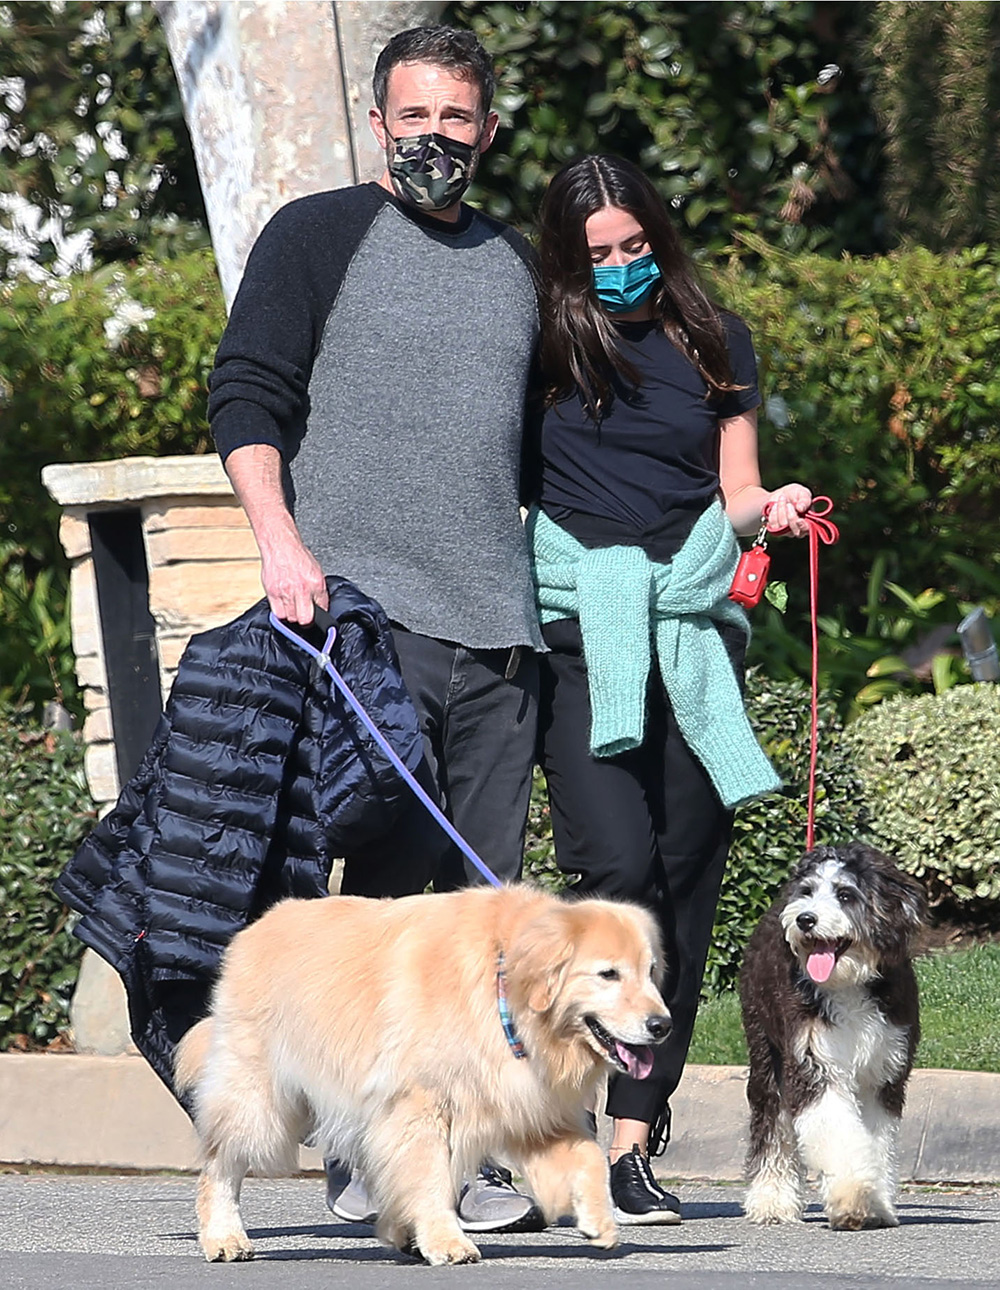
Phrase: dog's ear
x=538 y=958
x=902 y=905
x=899 y=902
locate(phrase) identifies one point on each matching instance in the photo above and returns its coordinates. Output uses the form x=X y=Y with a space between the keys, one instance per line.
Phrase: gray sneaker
x=348 y=1199
x=491 y=1203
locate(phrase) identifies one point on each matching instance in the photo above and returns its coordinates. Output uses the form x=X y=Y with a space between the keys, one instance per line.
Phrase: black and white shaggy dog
x=831 y=1015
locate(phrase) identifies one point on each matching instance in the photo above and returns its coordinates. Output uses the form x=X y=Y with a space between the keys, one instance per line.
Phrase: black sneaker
x=637 y=1196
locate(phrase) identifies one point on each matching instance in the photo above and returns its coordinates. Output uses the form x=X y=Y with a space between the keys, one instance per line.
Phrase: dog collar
x=506 y=1020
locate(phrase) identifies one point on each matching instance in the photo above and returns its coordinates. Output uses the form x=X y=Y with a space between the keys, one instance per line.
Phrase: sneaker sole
x=652 y=1218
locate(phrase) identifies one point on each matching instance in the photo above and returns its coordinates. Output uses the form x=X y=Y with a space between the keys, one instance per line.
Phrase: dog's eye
x=846 y=895
x=610 y=974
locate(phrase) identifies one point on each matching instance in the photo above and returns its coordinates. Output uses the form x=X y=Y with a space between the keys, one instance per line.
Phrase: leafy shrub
x=719 y=103
x=907 y=644
x=36 y=657
x=94 y=367
x=539 y=853
x=94 y=137
x=881 y=389
x=45 y=810
x=98 y=366
x=770 y=834
x=930 y=768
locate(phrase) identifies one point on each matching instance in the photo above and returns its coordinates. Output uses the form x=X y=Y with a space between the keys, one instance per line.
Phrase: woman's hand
x=785 y=505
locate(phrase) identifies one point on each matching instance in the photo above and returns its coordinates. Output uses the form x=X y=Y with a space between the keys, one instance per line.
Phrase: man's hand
x=292 y=579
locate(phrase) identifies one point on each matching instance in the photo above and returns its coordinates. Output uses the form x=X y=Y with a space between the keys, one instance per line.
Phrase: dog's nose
x=806 y=921
x=658 y=1026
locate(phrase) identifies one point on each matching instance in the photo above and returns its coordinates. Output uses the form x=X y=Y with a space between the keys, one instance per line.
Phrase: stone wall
x=203 y=570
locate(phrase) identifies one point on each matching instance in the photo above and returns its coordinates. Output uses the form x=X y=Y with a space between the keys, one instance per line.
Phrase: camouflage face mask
x=431 y=171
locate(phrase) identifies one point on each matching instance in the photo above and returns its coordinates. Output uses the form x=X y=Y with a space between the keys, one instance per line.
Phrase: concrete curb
x=78 y=1111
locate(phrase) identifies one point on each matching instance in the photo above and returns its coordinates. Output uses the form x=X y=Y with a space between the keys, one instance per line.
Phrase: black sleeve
x=257 y=389
x=743 y=362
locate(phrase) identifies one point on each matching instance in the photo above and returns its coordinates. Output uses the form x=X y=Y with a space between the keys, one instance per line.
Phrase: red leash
x=821 y=529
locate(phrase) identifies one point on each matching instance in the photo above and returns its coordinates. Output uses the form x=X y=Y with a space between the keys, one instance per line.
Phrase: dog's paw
x=458 y=1249
x=772 y=1218
x=771 y=1209
x=234 y=1247
x=862 y=1220
x=604 y=1237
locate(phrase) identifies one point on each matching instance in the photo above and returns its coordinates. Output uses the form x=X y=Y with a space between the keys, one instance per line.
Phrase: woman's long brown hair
x=580 y=348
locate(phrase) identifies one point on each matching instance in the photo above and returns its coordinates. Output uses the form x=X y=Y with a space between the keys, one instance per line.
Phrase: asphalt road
x=101 y=1233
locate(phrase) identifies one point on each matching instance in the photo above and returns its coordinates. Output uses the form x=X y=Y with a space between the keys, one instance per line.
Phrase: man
x=367 y=401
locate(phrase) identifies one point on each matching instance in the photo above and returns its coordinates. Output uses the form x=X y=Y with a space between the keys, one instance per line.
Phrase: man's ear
x=489 y=130
x=377 y=123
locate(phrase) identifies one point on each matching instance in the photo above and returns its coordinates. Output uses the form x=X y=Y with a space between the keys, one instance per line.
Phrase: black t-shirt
x=644 y=475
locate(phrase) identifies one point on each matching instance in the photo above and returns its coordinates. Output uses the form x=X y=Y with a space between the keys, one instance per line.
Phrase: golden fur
x=371 y=1028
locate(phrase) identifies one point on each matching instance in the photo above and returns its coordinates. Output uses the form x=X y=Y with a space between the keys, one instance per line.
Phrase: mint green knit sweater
x=622 y=598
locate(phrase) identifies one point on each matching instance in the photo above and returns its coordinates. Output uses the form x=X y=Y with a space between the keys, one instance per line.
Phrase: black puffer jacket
x=257 y=778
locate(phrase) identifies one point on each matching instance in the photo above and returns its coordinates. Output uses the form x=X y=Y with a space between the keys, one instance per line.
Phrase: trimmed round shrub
x=45 y=810
x=930 y=767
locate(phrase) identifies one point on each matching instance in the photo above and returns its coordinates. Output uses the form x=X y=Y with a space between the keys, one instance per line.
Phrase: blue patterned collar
x=506 y=1020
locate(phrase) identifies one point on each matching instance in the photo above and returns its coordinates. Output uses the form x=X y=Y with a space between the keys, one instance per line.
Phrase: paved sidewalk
x=105 y=1233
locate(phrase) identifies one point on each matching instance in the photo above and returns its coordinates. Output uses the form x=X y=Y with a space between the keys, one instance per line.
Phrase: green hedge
x=98 y=366
x=769 y=835
x=881 y=390
x=930 y=769
x=719 y=103
x=93 y=367
x=45 y=811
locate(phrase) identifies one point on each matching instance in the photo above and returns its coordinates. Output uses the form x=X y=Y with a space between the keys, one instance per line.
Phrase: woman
x=649 y=470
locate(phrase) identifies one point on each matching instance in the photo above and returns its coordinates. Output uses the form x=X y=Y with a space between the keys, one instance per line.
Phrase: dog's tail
x=192 y=1056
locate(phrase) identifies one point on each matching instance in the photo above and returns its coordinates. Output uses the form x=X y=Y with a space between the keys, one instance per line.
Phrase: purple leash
x=323 y=658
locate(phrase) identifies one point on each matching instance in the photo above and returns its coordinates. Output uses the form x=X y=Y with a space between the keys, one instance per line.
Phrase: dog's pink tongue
x=639 y=1061
x=819 y=965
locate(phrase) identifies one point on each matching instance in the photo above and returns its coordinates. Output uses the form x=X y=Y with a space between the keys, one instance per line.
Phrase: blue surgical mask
x=623 y=287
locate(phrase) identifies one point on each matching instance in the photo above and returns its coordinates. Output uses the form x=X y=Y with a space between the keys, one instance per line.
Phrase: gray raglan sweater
x=386 y=355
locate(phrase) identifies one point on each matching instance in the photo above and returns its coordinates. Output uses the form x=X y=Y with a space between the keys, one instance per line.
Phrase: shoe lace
x=496 y=1176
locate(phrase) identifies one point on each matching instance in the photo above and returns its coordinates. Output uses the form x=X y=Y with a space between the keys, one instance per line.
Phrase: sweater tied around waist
x=625 y=602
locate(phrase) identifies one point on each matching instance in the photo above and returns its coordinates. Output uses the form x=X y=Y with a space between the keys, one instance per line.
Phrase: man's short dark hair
x=458 y=51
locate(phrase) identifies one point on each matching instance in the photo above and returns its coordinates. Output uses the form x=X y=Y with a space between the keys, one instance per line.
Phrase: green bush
x=882 y=390
x=45 y=810
x=98 y=366
x=36 y=655
x=930 y=769
x=96 y=140
x=769 y=835
x=907 y=644
x=719 y=103
x=93 y=367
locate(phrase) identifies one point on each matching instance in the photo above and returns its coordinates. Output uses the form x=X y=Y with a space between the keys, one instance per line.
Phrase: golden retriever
x=374 y=1029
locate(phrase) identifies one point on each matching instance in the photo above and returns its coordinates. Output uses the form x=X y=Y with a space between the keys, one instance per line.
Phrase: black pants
x=646 y=825
x=478 y=712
